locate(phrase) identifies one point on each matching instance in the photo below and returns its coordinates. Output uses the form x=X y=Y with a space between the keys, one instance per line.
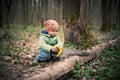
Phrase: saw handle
x=60 y=49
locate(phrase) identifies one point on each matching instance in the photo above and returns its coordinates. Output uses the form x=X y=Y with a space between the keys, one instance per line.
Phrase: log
x=59 y=69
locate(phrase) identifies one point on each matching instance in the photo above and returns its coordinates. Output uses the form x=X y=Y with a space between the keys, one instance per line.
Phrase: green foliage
x=82 y=70
x=9 y=37
x=5 y=44
x=104 y=36
x=14 y=39
x=77 y=71
x=86 y=45
x=71 y=46
x=28 y=34
x=5 y=50
x=105 y=67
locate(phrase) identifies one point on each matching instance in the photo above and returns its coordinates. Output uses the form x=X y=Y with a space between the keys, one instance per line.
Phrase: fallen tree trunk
x=57 y=70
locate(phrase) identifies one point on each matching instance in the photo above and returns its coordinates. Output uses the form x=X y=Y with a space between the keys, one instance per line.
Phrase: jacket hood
x=45 y=33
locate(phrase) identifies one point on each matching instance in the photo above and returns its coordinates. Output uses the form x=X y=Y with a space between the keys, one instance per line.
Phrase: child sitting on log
x=49 y=41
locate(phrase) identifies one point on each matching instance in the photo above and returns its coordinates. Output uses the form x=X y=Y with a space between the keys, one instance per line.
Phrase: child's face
x=53 y=32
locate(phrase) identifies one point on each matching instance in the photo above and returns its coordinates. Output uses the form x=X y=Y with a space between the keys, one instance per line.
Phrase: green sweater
x=46 y=41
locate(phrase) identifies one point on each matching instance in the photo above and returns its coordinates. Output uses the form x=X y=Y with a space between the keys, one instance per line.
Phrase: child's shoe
x=35 y=63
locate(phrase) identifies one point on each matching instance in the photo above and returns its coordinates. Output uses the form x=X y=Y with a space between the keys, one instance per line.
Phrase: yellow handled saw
x=70 y=53
x=59 y=53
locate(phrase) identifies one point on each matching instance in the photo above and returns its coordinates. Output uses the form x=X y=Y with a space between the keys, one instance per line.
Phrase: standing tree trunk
x=77 y=29
x=35 y=13
x=106 y=16
x=30 y=12
x=25 y=8
x=8 y=7
x=1 y=23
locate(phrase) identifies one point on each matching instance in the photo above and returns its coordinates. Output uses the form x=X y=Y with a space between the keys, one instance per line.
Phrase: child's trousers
x=43 y=56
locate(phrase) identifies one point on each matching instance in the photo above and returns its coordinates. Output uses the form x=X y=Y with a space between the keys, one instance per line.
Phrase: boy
x=48 y=41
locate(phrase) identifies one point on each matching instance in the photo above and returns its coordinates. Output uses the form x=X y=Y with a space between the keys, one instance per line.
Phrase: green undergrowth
x=71 y=46
x=105 y=67
x=12 y=38
x=9 y=37
x=104 y=36
x=98 y=37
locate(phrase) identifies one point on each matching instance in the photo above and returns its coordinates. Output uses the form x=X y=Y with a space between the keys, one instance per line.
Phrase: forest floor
x=18 y=54
x=106 y=66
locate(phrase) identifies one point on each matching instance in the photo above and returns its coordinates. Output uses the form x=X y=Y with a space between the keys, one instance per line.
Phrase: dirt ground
x=20 y=65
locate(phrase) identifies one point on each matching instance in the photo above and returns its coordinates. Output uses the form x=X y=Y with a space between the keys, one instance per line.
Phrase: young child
x=48 y=41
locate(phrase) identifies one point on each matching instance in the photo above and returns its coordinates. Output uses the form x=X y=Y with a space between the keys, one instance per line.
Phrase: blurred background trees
x=77 y=17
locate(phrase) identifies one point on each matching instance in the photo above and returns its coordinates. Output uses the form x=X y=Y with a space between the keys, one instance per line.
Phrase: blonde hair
x=50 y=25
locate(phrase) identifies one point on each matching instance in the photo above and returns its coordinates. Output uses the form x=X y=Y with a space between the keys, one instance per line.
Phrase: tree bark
x=77 y=28
x=63 y=67
x=25 y=8
x=1 y=20
x=110 y=15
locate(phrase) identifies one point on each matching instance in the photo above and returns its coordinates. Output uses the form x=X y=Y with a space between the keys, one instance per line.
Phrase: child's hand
x=55 y=49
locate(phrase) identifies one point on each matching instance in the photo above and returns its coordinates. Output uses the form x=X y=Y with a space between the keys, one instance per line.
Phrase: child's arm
x=43 y=44
x=59 y=43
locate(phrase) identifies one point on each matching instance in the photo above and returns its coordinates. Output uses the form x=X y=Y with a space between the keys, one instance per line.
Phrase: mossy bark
x=78 y=32
x=77 y=28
